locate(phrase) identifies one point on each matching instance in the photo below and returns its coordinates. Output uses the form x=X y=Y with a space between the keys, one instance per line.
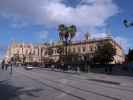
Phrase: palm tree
x=60 y=51
x=127 y=24
x=62 y=31
x=66 y=34
x=71 y=31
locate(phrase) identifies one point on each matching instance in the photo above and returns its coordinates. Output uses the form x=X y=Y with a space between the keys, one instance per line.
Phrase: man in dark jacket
x=3 y=64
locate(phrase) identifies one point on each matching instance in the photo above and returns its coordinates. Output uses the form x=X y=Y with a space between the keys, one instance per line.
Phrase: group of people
x=6 y=64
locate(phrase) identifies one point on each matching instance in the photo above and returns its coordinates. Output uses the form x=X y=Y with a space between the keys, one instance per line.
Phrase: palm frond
x=125 y=22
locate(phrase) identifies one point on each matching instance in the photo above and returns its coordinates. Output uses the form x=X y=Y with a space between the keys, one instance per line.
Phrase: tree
x=23 y=59
x=130 y=55
x=127 y=23
x=62 y=31
x=88 y=59
x=50 y=51
x=105 y=53
x=66 y=34
x=71 y=31
x=60 y=51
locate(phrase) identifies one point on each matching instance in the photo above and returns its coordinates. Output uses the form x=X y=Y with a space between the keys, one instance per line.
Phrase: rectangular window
x=83 y=49
x=34 y=52
x=55 y=51
x=69 y=50
x=74 y=50
x=91 y=49
x=26 y=52
x=79 y=50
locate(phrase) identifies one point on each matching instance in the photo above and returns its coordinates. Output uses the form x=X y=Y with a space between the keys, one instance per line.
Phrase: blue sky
x=36 y=21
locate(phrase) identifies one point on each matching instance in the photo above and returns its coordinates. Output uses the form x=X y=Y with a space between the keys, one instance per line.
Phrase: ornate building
x=40 y=53
x=24 y=52
x=89 y=46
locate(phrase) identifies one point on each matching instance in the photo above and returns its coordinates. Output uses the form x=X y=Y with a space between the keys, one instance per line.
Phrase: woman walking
x=3 y=64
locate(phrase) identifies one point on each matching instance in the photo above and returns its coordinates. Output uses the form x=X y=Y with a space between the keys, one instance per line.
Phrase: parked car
x=28 y=67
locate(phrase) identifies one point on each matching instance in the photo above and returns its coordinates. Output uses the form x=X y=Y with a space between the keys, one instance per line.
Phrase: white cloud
x=83 y=15
x=3 y=49
x=87 y=13
x=43 y=35
x=19 y=25
x=99 y=35
x=14 y=20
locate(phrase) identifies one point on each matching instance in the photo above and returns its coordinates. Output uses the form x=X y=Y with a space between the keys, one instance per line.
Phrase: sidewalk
x=4 y=74
x=107 y=78
x=59 y=70
x=99 y=77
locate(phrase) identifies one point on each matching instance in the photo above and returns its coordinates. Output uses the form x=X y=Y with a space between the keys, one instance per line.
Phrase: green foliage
x=71 y=59
x=87 y=58
x=71 y=31
x=66 y=33
x=127 y=24
x=50 y=51
x=62 y=31
x=105 y=53
x=130 y=55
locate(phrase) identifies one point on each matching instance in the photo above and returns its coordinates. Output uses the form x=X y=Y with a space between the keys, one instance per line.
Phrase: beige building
x=89 y=46
x=39 y=53
x=27 y=52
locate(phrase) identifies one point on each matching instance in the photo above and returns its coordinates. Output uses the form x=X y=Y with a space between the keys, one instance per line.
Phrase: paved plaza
x=44 y=84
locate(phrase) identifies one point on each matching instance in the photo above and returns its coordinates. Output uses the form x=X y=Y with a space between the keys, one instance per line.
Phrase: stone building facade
x=39 y=53
x=25 y=52
x=89 y=47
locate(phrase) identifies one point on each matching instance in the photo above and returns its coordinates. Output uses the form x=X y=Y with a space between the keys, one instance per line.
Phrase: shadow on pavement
x=57 y=70
x=105 y=81
x=10 y=92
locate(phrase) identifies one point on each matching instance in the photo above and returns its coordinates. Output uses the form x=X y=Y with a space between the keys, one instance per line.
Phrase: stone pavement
x=107 y=78
x=4 y=74
x=100 y=77
x=41 y=84
x=87 y=83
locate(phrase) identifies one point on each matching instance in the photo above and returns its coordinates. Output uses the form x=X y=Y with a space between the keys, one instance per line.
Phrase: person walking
x=6 y=65
x=11 y=64
x=3 y=64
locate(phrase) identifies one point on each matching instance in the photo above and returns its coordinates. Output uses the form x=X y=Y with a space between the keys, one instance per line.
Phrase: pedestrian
x=6 y=65
x=3 y=64
x=11 y=64
x=52 y=67
x=110 y=69
x=106 y=69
